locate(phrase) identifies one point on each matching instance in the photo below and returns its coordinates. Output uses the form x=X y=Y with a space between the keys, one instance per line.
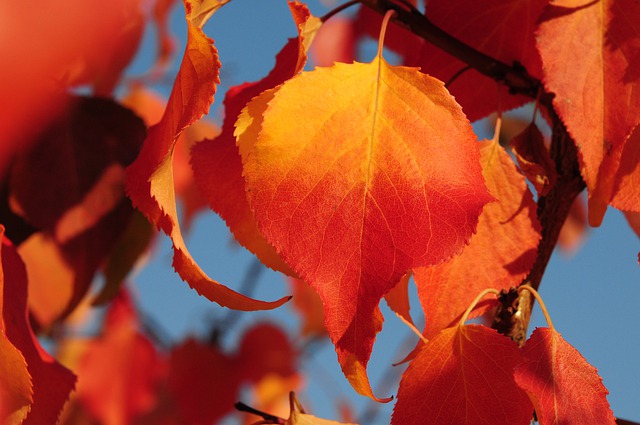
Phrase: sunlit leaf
x=216 y=163
x=51 y=382
x=499 y=255
x=356 y=174
x=590 y=54
x=563 y=387
x=150 y=181
x=463 y=376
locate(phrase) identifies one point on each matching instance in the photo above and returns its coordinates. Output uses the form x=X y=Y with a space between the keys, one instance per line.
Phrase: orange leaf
x=398 y=299
x=463 y=376
x=298 y=417
x=216 y=163
x=499 y=255
x=503 y=30
x=627 y=177
x=51 y=382
x=150 y=182
x=355 y=183
x=590 y=56
x=563 y=387
x=120 y=371
x=309 y=306
x=534 y=159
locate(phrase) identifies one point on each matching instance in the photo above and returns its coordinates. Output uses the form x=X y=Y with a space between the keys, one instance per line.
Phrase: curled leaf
x=150 y=181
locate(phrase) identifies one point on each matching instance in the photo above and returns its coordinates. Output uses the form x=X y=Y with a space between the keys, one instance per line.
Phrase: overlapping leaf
x=534 y=159
x=150 y=182
x=216 y=163
x=85 y=44
x=357 y=173
x=51 y=383
x=70 y=185
x=119 y=372
x=563 y=387
x=594 y=75
x=502 y=30
x=299 y=417
x=463 y=376
x=499 y=255
x=16 y=389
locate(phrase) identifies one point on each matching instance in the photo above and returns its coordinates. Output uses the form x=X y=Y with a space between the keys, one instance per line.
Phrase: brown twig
x=513 y=76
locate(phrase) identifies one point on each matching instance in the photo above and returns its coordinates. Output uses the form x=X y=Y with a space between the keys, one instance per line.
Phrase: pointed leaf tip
x=371 y=179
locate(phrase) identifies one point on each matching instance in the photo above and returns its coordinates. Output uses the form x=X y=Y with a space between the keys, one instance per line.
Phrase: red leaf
x=534 y=159
x=464 y=375
x=204 y=381
x=503 y=30
x=76 y=171
x=398 y=299
x=335 y=42
x=216 y=162
x=150 y=182
x=563 y=387
x=499 y=255
x=590 y=57
x=52 y=383
x=308 y=304
x=120 y=371
x=625 y=194
x=355 y=185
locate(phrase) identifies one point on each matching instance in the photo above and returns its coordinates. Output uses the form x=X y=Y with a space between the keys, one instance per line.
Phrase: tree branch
x=513 y=76
x=553 y=209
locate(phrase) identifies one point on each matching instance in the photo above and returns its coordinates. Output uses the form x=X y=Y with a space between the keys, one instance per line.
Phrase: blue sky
x=592 y=296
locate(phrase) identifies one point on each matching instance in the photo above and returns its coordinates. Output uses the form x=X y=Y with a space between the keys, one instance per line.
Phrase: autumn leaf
x=70 y=185
x=51 y=383
x=119 y=372
x=534 y=159
x=463 y=375
x=356 y=183
x=563 y=387
x=216 y=162
x=203 y=381
x=34 y=80
x=574 y=228
x=150 y=182
x=499 y=255
x=335 y=42
x=590 y=59
x=502 y=30
x=16 y=389
x=298 y=417
x=625 y=194
x=308 y=305
x=398 y=299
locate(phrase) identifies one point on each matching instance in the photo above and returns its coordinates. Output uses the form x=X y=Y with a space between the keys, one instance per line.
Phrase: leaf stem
x=527 y=287
x=268 y=418
x=383 y=30
x=475 y=302
x=513 y=76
